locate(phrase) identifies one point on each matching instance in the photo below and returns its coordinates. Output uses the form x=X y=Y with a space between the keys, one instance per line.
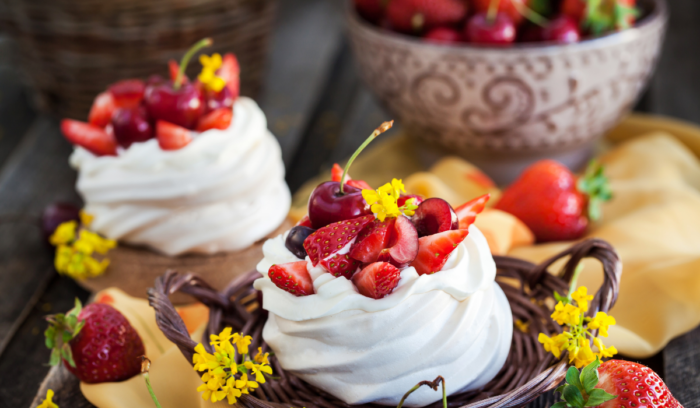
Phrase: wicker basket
x=527 y=373
x=71 y=50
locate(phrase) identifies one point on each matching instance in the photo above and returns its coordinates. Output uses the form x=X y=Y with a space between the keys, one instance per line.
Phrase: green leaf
x=560 y=389
x=50 y=335
x=573 y=396
x=67 y=355
x=55 y=357
x=67 y=336
x=78 y=307
x=589 y=375
x=78 y=328
x=598 y=396
x=559 y=298
x=572 y=377
x=560 y=404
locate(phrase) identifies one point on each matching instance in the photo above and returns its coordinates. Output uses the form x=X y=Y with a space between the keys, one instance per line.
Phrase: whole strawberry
x=553 y=203
x=417 y=16
x=97 y=344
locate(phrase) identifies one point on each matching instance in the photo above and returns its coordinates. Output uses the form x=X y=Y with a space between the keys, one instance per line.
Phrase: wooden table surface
x=317 y=107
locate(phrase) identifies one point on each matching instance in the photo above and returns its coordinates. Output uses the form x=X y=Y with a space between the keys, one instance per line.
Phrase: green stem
x=493 y=11
x=186 y=60
x=378 y=131
x=531 y=14
x=150 y=390
x=432 y=384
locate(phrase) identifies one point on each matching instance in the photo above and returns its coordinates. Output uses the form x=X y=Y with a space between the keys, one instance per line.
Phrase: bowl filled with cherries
x=508 y=82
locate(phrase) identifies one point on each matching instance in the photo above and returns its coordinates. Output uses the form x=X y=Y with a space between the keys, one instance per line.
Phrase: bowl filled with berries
x=508 y=82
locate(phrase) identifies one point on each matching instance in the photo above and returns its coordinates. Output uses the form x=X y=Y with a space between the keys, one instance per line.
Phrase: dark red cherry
x=131 y=125
x=55 y=214
x=500 y=31
x=443 y=35
x=295 y=240
x=562 y=29
x=217 y=100
x=434 y=215
x=328 y=205
x=183 y=106
x=127 y=93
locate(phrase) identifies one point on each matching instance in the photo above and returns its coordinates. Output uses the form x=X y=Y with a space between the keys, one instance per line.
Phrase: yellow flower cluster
x=74 y=250
x=575 y=340
x=48 y=402
x=383 y=201
x=226 y=377
x=208 y=75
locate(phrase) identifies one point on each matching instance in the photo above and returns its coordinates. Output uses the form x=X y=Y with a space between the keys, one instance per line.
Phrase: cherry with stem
x=378 y=131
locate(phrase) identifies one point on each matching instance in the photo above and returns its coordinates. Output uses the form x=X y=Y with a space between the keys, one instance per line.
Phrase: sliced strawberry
x=340 y=265
x=172 y=137
x=174 y=68
x=405 y=197
x=433 y=250
x=230 y=72
x=403 y=245
x=101 y=110
x=216 y=119
x=372 y=240
x=332 y=238
x=90 y=137
x=468 y=211
x=377 y=279
x=292 y=277
x=337 y=173
x=304 y=222
x=361 y=184
x=127 y=93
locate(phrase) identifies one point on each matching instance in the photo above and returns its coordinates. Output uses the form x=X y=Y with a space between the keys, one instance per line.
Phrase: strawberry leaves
x=602 y=17
x=595 y=185
x=579 y=390
x=62 y=329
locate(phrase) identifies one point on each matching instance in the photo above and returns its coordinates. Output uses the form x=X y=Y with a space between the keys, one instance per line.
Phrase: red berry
x=575 y=9
x=545 y=198
x=634 y=385
x=218 y=100
x=217 y=119
x=417 y=199
x=131 y=125
x=443 y=35
x=373 y=238
x=501 y=31
x=507 y=7
x=127 y=93
x=340 y=265
x=174 y=69
x=304 y=222
x=293 y=278
x=90 y=137
x=230 y=71
x=361 y=184
x=327 y=205
x=295 y=240
x=101 y=110
x=434 y=250
x=434 y=215
x=377 y=280
x=371 y=10
x=332 y=238
x=182 y=107
x=403 y=245
x=562 y=29
x=467 y=212
x=416 y=16
x=172 y=137
x=337 y=173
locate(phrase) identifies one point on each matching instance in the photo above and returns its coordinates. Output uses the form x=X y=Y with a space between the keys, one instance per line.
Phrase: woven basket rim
x=527 y=373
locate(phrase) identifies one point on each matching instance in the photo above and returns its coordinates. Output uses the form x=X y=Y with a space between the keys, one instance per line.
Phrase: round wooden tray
x=527 y=373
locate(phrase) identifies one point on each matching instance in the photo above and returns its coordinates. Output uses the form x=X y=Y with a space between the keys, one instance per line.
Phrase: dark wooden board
x=682 y=367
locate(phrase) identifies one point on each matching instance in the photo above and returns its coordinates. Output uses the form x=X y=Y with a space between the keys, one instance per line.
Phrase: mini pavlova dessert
x=182 y=174
x=376 y=291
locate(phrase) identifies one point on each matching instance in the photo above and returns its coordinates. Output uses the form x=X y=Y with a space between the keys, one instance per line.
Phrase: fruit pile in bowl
x=499 y=89
x=500 y=22
x=173 y=111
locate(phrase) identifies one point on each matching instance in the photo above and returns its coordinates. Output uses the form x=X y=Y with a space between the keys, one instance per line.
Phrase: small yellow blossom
x=242 y=342
x=383 y=201
x=208 y=75
x=566 y=314
x=48 y=402
x=581 y=354
x=602 y=321
x=85 y=218
x=64 y=234
x=553 y=345
x=261 y=358
x=96 y=242
x=582 y=297
x=604 y=352
x=522 y=326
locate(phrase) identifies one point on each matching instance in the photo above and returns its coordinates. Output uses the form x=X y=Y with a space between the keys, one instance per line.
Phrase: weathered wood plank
x=682 y=367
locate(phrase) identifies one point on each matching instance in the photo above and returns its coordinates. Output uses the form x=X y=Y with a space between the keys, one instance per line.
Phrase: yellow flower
x=208 y=75
x=566 y=314
x=582 y=297
x=602 y=321
x=96 y=242
x=582 y=355
x=261 y=358
x=85 y=218
x=383 y=201
x=48 y=402
x=202 y=360
x=554 y=344
x=64 y=234
x=258 y=370
x=242 y=342
x=244 y=385
x=604 y=352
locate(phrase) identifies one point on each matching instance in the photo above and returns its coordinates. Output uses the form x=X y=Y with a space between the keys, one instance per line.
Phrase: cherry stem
x=432 y=384
x=493 y=11
x=206 y=42
x=378 y=131
x=145 y=366
x=531 y=14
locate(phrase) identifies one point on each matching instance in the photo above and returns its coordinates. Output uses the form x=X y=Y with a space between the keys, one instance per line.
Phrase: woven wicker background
x=70 y=50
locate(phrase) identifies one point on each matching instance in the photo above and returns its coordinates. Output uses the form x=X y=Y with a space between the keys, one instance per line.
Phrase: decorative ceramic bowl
x=504 y=108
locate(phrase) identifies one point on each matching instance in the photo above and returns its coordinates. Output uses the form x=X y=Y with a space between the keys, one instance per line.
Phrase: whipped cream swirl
x=222 y=192
x=456 y=323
